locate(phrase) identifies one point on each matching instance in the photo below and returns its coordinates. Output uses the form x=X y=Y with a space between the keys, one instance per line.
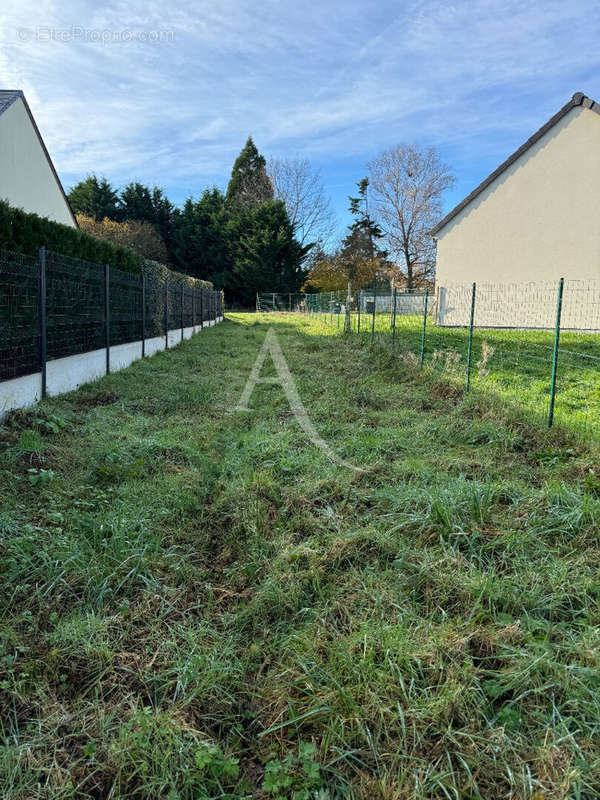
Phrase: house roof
x=7 y=98
x=578 y=99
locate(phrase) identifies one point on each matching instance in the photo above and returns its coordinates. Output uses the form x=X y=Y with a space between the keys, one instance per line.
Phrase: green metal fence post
x=425 y=302
x=470 y=348
x=394 y=315
x=559 y=298
x=347 y=314
x=166 y=313
x=143 y=315
x=374 y=307
x=358 y=320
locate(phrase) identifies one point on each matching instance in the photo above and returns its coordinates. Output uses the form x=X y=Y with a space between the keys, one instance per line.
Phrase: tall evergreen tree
x=359 y=260
x=139 y=202
x=135 y=202
x=200 y=243
x=266 y=255
x=94 y=198
x=163 y=214
x=249 y=183
x=364 y=231
x=360 y=253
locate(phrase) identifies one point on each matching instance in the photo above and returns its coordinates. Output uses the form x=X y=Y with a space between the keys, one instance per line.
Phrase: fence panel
x=19 y=315
x=125 y=293
x=88 y=308
x=188 y=306
x=498 y=338
x=155 y=306
x=75 y=305
x=174 y=306
x=281 y=301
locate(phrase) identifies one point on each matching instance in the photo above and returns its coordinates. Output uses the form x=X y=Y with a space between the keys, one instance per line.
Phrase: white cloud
x=328 y=80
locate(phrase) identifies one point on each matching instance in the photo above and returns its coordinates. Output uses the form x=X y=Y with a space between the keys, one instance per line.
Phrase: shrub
x=138 y=235
x=24 y=233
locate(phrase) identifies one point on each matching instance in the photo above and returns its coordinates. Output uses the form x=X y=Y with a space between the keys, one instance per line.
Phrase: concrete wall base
x=65 y=374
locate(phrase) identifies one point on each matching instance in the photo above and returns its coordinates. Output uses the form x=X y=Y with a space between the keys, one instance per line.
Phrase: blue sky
x=167 y=93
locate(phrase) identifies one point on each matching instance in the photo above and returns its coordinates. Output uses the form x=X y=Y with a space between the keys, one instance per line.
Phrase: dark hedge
x=24 y=233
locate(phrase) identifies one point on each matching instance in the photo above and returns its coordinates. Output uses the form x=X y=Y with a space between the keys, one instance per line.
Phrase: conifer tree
x=94 y=198
x=249 y=184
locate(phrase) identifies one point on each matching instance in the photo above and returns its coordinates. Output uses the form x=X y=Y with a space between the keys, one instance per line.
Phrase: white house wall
x=538 y=221
x=26 y=178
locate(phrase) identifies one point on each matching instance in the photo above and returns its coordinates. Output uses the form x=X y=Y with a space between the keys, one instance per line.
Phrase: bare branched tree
x=299 y=186
x=408 y=183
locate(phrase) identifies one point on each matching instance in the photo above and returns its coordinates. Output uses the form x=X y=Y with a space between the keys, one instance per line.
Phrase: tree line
x=243 y=240
x=273 y=228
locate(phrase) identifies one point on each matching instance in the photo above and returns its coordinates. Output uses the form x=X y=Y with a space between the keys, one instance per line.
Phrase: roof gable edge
x=19 y=94
x=578 y=99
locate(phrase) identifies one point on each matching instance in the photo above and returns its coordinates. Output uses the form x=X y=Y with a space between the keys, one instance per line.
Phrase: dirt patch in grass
x=446 y=391
x=17 y=420
x=33 y=460
x=102 y=398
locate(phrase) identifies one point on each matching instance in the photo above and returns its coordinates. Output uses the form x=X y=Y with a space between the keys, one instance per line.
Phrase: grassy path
x=196 y=603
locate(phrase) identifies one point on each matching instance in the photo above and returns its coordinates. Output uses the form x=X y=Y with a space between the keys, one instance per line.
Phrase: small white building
x=28 y=179
x=535 y=219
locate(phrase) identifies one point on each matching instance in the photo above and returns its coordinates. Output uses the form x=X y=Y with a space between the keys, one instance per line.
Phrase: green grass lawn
x=197 y=603
x=513 y=364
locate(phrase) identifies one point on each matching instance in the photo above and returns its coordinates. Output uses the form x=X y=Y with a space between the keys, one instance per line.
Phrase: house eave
x=578 y=100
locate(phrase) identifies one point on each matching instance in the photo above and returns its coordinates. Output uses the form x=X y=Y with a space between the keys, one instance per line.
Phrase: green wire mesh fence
x=281 y=301
x=535 y=345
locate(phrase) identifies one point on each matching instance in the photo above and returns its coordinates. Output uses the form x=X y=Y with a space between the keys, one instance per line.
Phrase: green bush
x=24 y=233
x=157 y=271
